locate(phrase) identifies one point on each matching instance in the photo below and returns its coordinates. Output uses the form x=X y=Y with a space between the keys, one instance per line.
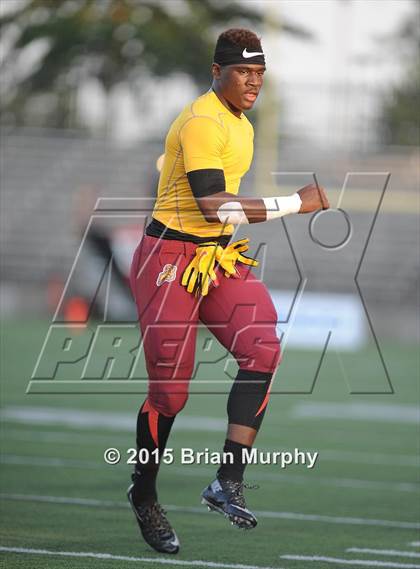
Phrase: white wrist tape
x=232 y=212
x=282 y=205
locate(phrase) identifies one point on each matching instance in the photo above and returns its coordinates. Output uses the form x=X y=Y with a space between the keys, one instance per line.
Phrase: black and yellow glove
x=200 y=272
x=228 y=257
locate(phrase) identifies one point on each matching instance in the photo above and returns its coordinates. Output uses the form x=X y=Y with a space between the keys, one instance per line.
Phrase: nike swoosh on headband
x=247 y=54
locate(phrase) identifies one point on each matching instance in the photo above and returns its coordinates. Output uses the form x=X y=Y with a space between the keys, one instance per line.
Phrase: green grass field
x=359 y=505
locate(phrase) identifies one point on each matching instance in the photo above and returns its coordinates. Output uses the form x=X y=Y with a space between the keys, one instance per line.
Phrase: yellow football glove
x=228 y=257
x=200 y=271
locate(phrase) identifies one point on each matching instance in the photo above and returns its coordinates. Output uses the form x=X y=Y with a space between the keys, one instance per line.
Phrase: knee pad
x=248 y=398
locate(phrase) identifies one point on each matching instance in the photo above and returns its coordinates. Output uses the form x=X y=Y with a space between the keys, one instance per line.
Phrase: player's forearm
x=225 y=208
x=209 y=188
x=256 y=210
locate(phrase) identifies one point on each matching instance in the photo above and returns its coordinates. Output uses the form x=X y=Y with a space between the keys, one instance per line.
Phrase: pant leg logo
x=167 y=274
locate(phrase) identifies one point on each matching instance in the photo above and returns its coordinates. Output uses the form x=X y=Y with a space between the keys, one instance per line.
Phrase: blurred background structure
x=90 y=87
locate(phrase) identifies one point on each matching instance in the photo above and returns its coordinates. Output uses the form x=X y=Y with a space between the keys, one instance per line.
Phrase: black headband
x=227 y=53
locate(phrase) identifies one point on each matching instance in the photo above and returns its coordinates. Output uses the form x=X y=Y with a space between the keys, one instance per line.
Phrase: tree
x=113 y=41
x=400 y=111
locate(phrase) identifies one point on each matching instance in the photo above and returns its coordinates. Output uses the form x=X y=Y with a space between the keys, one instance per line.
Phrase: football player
x=186 y=269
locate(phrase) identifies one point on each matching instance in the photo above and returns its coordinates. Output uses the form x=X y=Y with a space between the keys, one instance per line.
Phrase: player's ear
x=215 y=70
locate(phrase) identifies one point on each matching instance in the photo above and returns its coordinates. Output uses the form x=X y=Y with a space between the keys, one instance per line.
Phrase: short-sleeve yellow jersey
x=204 y=135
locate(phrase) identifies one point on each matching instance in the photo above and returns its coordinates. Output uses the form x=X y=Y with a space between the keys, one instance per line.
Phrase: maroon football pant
x=239 y=312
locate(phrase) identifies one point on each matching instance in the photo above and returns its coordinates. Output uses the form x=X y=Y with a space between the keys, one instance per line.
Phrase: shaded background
x=89 y=88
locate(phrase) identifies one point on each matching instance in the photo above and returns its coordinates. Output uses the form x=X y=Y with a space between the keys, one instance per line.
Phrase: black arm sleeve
x=206 y=182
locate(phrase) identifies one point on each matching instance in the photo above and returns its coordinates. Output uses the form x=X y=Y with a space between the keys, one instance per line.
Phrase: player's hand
x=313 y=198
x=200 y=272
x=229 y=256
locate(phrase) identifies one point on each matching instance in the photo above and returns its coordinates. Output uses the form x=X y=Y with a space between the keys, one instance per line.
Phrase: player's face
x=240 y=84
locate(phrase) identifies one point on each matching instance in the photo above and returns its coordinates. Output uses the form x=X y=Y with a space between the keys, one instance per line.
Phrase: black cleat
x=154 y=525
x=226 y=497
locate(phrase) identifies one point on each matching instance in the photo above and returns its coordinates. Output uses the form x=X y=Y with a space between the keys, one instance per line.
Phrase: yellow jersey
x=204 y=135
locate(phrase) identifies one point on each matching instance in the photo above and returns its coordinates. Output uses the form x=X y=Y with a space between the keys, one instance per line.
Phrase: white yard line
x=106 y=556
x=340 y=520
x=372 y=412
x=110 y=420
x=391 y=552
x=202 y=471
x=352 y=562
x=414 y=543
x=63 y=500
